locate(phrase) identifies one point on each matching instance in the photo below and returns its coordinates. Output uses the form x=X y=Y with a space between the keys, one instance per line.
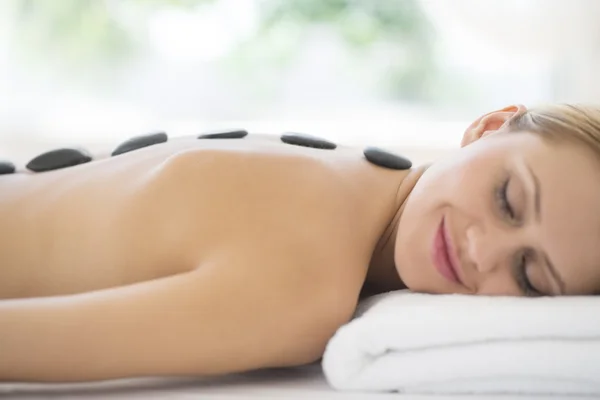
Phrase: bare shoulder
x=285 y=219
x=321 y=208
x=288 y=191
x=259 y=159
x=276 y=202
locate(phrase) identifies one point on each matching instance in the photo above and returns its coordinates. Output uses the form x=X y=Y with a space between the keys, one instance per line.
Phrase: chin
x=418 y=281
x=412 y=279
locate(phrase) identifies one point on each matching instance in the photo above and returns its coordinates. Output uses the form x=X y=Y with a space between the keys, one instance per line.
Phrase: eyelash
x=505 y=206
x=520 y=265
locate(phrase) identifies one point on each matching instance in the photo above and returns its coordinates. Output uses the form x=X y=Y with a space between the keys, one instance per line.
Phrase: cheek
x=468 y=180
x=459 y=185
x=460 y=182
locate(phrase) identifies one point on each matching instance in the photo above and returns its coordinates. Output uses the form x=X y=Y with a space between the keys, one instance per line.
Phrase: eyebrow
x=537 y=195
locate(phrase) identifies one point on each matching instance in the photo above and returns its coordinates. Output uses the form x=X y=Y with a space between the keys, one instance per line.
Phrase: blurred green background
x=82 y=34
x=389 y=72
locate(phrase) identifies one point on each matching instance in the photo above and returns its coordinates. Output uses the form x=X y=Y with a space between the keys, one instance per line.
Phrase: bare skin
x=194 y=257
x=201 y=257
x=519 y=212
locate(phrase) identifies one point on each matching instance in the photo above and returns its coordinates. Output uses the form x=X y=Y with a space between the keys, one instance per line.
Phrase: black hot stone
x=138 y=142
x=224 y=135
x=6 y=167
x=386 y=159
x=301 y=139
x=57 y=159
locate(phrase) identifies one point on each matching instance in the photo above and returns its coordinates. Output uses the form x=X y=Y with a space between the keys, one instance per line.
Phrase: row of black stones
x=68 y=157
x=375 y=155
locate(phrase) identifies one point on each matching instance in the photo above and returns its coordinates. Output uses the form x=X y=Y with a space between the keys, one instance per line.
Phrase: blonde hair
x=572 y=122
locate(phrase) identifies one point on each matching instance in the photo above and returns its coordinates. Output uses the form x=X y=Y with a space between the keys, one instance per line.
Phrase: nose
x=487 y=249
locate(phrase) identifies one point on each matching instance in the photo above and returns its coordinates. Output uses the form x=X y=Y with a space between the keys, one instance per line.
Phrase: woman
x=202 y=257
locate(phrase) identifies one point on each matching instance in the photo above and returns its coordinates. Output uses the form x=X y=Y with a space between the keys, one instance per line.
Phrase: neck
x=382 y=275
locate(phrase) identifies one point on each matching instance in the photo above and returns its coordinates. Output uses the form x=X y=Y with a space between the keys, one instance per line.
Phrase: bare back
x=167 y=208
x=295 y=221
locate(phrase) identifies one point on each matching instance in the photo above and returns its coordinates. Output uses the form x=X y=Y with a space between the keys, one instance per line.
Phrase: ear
x=491 y=122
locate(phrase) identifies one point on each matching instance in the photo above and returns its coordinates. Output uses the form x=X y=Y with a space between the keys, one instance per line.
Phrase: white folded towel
x=456 y=344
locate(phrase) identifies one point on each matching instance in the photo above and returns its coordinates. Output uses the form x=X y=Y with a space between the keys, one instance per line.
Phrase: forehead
x=569 y=230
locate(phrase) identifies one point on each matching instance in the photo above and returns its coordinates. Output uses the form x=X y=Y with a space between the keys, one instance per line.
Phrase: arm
x=208 y=321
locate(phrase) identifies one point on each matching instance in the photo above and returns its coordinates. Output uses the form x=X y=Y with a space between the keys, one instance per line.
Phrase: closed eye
x=519 y=268
x=502 y=197
x=522 y=259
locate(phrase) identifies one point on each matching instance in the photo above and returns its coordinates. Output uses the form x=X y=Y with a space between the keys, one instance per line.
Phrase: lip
x=443 y=254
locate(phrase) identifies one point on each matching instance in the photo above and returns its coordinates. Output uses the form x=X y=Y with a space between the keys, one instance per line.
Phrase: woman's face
x=511 y=213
